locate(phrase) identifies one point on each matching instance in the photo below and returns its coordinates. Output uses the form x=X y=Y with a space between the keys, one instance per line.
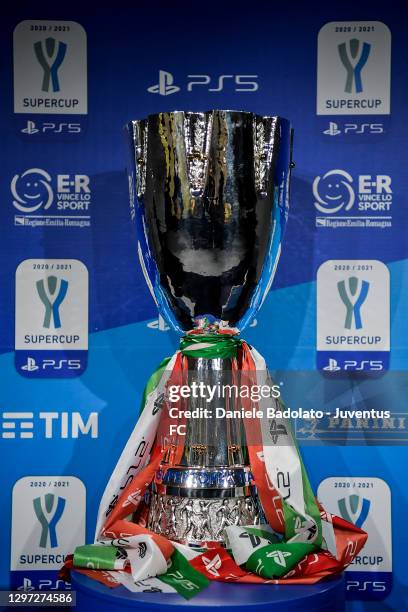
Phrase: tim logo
x=52 y=292
x=50 y=54
x=354 y=56
x=48 y=509
x=353 y=293
x=333 y=192
x=354 y=509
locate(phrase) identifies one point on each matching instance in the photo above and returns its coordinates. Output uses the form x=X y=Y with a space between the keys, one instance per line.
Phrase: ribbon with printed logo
x=300 y=544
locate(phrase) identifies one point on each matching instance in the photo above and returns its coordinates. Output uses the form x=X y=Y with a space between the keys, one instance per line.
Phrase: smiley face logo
x=333 y=192
x=32 y=190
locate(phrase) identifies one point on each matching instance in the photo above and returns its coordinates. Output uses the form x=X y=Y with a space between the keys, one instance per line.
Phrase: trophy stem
x=212 y=441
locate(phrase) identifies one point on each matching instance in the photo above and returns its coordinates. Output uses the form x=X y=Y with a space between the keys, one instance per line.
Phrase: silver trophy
x=209 y=195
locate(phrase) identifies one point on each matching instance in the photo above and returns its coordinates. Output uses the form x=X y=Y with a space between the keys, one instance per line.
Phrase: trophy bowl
x=210 y=200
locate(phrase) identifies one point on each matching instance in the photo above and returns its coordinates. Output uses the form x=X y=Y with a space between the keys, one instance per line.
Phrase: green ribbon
x=183 y=577
x=276 y=560
x=210 y=346
x=266 y=535
x=153 y=382
x=93 y=556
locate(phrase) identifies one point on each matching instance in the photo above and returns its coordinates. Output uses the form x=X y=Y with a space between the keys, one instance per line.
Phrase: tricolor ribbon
x=301 y=543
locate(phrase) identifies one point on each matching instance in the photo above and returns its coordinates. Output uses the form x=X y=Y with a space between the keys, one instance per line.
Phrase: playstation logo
x=30 y=129
x=30 y=366
x=332 y=366
x=277 y=430
x=165 y=85
x=26 y=586
x=333 y=129
x=159 y=324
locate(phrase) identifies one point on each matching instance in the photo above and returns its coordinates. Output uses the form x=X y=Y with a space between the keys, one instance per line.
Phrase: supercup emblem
x=50 y=54
x=354 y=55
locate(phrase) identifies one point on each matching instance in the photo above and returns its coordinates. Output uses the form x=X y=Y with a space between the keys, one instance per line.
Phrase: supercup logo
x=353 y=70
x=354 y=55
x=51 y=337
x=353 y=316
x=48 y=522
x=52 y=291
x=354 y=508
x=366 y=502
x=48 y=509
x=50 y=78
x=50 y=54
x=353 y=293
x=50 y=68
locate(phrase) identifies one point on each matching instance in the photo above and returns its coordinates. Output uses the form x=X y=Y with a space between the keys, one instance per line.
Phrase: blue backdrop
x=118 y=63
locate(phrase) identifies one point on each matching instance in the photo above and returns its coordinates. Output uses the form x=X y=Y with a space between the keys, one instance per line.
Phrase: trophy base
x=193 y=521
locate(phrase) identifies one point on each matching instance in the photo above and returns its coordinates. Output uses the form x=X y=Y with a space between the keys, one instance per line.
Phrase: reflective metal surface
x=209 y=195
x=211 y=441
x=196 y=521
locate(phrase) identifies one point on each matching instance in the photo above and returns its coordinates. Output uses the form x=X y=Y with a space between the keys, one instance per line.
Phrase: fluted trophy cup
x=209 y=195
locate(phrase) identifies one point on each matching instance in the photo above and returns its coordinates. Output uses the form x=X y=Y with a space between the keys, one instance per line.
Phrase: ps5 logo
x=48 y=127
x=373 y=365
x=375 y=586
x=239 y=82
x=49 y=585
x=356 y=365
x=350 y=129
x=51 y=364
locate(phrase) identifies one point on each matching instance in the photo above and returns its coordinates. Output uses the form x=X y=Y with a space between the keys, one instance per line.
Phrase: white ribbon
x=136 y=454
